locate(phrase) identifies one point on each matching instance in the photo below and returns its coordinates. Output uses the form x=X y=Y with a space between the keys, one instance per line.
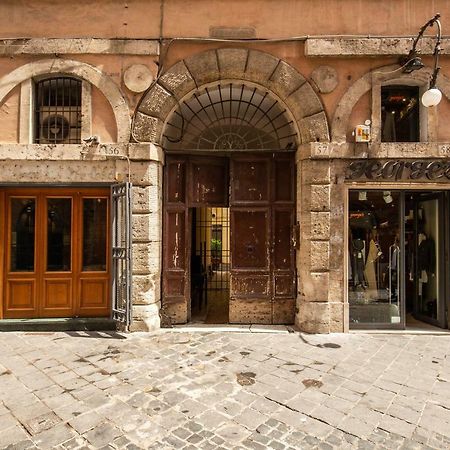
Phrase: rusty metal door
x=262 y=208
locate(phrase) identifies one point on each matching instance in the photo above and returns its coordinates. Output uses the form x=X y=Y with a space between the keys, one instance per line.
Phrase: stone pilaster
x=147 y=236
x=320 y=306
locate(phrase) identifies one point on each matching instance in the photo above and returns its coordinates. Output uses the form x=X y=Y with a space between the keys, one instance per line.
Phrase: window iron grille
x=229 y=117
x=58 y=111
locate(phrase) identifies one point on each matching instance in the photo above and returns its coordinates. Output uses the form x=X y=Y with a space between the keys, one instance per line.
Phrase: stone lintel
x=78 y=46
x=370 y=46
x=77 y=152
x=352 y=150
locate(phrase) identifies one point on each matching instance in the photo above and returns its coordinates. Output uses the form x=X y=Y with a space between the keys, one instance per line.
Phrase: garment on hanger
x=370 y=272
x=358 y=262
x=426 y=254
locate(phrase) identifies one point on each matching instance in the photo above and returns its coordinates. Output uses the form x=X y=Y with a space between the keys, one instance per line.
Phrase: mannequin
x=370 y=273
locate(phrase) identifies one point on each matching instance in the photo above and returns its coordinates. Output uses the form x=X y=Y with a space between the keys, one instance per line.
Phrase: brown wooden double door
x=55 y=260
x=260 y=192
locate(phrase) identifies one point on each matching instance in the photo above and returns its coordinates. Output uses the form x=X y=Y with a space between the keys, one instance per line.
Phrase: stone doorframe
x=304 y=105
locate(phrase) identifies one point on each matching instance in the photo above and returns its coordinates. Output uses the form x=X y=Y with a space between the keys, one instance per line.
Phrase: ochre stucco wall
x=193 y=18
x=9 y=117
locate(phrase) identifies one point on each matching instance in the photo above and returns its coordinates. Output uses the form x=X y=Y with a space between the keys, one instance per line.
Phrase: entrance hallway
x=173 y=389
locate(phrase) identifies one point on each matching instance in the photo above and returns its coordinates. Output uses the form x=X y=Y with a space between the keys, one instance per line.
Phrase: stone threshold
x=232 y=328
x=59 y=324
x=407 y=332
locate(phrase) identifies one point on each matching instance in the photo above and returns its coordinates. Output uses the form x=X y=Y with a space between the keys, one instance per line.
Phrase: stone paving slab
x=207 y=389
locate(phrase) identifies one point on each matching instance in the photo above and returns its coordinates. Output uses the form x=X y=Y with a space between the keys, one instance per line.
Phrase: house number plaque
x=396 y=170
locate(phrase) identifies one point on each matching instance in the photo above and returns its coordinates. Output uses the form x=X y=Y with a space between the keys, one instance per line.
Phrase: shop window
x=374 y=257
x=400 y=114
x=57 y=108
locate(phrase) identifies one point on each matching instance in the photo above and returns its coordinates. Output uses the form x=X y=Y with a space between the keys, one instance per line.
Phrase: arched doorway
x=229 y=207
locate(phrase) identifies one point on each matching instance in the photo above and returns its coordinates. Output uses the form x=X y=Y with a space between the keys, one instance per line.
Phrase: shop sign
x=396 y=170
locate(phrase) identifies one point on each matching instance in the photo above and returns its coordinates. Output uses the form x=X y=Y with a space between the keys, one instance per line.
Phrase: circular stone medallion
x=325 y=78
x=137 y=78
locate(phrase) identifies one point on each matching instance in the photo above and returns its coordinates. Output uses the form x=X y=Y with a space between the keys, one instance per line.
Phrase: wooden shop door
x=56 y=257
x=262 y=209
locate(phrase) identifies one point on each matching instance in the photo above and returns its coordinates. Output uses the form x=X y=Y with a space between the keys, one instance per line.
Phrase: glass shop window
x=400 y=114
x=374 y=257
x=57 y=104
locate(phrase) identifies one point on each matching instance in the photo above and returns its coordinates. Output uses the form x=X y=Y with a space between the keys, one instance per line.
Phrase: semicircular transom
x=230 y=116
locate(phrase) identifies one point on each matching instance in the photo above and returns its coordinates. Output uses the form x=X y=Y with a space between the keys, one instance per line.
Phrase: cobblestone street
x=181 y=389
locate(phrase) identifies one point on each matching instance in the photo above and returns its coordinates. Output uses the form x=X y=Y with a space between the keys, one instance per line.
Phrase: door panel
x=93 y=291
x=21 y=270
x=44 y=252
x=209 y=182
x=428 y=256
x=250 y=239
x=284 y=179
x=263 y=276
x=175 y=283
x=21 y=297
x=250 y=180
x=94 y=258
x=57 y=296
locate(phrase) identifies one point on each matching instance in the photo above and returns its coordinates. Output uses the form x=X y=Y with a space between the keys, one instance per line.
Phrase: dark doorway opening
x=425 y=265
x=400 y=114
x=210 y=265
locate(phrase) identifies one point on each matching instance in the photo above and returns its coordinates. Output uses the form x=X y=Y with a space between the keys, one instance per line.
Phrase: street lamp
x=413 y=62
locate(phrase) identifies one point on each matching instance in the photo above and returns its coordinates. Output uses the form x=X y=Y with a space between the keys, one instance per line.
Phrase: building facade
x=224 y=162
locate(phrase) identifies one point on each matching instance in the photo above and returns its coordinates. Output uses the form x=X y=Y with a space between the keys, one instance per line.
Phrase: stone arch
x=82 y=70
x=391 y=73
x=231 y=64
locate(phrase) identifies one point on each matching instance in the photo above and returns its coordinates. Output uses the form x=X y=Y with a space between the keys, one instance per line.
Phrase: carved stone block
x=232 y=62
x=157 y=102
x=203 y=67
x=320 y=197
x=178 y=80
x=320 y=225
x=320 y=256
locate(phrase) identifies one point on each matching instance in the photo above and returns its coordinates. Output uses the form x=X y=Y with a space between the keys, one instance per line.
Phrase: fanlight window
x=229 y=117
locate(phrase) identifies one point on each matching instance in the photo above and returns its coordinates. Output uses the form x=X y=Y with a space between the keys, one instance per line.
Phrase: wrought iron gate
x=121 y=252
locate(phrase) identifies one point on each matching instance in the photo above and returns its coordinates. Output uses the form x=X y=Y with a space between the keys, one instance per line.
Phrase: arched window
x=231 y=116
x=57 y=103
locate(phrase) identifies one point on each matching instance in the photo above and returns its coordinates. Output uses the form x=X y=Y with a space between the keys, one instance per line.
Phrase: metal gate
x=121 y=252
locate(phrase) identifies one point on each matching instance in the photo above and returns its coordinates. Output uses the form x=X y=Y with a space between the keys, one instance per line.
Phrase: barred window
x=58 y=111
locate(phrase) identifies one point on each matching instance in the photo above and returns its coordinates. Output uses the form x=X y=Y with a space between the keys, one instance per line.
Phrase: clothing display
x=358 y=257
x=426 y=254
x=370 y=269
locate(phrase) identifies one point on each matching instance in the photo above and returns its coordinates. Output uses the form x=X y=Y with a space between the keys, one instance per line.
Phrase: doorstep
x=64 y=324
x=232 y=328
